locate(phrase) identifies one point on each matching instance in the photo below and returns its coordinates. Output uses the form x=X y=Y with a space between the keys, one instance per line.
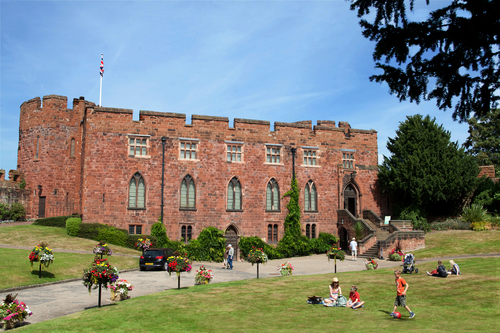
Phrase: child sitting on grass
x=354 y=301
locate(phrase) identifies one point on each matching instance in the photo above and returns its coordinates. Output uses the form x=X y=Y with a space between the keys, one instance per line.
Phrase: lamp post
x=294 y=150
x=163 y=141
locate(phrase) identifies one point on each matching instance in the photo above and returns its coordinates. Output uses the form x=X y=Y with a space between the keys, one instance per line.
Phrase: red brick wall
x=103 y=166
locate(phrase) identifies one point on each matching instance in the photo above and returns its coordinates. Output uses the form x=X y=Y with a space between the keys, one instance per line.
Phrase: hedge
x=73 y=226
x=57 y=221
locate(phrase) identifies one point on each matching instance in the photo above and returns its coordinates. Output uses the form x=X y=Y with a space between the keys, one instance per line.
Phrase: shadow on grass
x=44 y=274
x=97 y=306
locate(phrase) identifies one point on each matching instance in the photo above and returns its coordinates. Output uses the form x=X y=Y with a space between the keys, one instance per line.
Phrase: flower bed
x=13 y=311
x=99 y=273
x=41 y=253
x=203 y=276
x=286 y=269
x=256 y=255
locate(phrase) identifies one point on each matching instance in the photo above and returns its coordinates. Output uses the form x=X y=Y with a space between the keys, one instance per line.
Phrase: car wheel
x=142 y=268
x=164 y=267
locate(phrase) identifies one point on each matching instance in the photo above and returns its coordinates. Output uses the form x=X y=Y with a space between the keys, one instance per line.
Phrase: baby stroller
x=409 y=264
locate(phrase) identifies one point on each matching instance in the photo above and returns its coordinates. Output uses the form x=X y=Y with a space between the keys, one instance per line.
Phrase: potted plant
x=285 y=269
x=13 y=311
x=42 y=254
x=120 y=289
x=397 y=253
x=203 y=276
x=371 y=264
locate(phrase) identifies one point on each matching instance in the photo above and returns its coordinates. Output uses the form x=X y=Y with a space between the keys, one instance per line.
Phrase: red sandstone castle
x=100 y=163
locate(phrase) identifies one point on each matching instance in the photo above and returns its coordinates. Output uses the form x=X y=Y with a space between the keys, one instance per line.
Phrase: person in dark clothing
x=440 y=271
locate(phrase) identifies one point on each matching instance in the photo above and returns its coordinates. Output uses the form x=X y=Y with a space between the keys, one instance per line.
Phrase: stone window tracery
x=310 y=197
x=272 y=196
x=137 y=192
x=234 y=194
x=188 y=193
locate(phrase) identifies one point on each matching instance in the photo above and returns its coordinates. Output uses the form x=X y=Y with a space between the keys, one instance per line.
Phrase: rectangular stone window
x=234 y=151
x=138 y=145
x=135 y=229
x=188 y=149
x=348 y=159
x=273 y=154
x=310 y=155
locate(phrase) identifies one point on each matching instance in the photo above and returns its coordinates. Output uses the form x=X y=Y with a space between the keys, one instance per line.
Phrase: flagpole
x=101 y=70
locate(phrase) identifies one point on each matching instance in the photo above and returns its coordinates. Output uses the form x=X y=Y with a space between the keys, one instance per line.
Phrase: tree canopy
x=426 y=170
x=484 y=139
x=457 y=47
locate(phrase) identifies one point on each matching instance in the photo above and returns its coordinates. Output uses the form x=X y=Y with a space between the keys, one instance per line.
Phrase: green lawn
x=31 y=235
x=459 y=242
x=456 y=304
x=15 y=268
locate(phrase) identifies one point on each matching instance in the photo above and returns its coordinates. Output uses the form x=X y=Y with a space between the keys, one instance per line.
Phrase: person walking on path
x=401 y=289
x=230 y=256
x=354 y=249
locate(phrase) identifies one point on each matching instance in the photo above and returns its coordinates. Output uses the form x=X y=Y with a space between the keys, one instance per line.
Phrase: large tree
x=457 y=47
x=484 y=139
x=426 y=170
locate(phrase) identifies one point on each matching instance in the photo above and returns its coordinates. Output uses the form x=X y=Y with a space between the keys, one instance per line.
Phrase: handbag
x=314 y=300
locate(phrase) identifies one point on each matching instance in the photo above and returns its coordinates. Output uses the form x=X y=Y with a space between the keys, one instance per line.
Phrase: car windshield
x=155 y=253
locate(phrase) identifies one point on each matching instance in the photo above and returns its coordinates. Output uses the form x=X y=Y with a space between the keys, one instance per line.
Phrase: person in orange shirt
x=401 y=288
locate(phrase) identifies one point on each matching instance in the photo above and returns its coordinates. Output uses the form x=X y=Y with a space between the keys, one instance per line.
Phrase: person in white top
x=354 y=249
x=230 y=256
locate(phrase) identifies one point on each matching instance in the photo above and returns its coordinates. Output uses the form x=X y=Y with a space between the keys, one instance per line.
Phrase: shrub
x=290 y=246
x=474 y=213
x=480 y=226
x=73 y=226
x=209 y=246
x=17 y=212
x=359 y=230
x=323 y=243
x=417 y=220
x=246 y=244
x=58 y=221
x=395 y=257
x=4 y=212
x=451 y=224
x=113 y=236
x=91 y=230
x=158 y=230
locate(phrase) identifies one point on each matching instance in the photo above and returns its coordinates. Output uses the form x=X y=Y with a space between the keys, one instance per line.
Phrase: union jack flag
x=102 y=65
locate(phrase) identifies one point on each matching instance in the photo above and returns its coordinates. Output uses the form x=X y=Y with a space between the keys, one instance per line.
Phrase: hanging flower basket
x=257 y=256
x=102 y=249
x=335 y=252
x=41 y=253
x=178 y=264
x=143 y=244
x=101 y=273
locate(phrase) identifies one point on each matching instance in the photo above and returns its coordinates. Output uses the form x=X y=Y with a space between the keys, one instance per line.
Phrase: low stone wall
x=366 y=243
x=410 y=241
x=401 y=225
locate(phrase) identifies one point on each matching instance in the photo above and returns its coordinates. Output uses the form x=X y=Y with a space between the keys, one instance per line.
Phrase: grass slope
x=459 y=242
x=461 y=303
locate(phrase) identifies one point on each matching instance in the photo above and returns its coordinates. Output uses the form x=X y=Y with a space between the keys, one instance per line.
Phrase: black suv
x=155 y=258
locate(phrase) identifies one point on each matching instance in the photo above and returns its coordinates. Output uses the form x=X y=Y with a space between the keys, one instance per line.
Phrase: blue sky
x=280 y=61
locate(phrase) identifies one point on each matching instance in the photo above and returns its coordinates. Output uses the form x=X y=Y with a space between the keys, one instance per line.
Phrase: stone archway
x=343 y=239
x=232 y=238
x=351 y=199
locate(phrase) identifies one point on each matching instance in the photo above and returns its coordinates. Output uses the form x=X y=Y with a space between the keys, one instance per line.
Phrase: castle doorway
x=350 y=199
x=343 y=239
x=41 y=207
x=232 y=238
